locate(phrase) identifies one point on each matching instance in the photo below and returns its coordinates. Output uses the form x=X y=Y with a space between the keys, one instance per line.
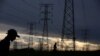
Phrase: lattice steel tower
x=46 y=14
x=30 y=28
x=15 y=45
x=68 y=27
x=85 y=36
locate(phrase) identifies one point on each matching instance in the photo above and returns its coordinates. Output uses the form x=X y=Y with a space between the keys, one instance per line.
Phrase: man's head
x=12 y=34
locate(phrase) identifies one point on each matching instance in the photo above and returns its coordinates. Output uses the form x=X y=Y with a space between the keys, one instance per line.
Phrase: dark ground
x=31 y=52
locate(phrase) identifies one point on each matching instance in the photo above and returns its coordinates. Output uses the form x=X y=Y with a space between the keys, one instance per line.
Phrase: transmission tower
x=85 y=36
x=46 y=11
x=68 y=27
x=31 y=28
x=15 y=45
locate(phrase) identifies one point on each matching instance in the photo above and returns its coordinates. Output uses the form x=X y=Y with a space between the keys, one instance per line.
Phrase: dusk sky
x=17 y=13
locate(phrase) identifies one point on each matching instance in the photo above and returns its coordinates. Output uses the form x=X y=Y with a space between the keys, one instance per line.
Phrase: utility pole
x=15 y=45
x=46 y=11
x=85 y=30
x=68 y=27
x=86 y=39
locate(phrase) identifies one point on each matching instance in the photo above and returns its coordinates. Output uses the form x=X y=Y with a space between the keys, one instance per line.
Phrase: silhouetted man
x=5 y=43
x=55 y=47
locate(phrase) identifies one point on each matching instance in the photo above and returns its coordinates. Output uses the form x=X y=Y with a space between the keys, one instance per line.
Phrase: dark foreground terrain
x=31 y=52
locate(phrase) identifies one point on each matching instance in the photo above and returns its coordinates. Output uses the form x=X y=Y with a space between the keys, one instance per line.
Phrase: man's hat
x=12 y=32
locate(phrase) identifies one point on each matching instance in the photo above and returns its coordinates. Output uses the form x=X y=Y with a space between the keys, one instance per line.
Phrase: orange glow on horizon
x=67 y=43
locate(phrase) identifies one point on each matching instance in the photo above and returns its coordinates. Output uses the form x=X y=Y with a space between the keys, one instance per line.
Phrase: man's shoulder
x=1 y=42
x=4 y=42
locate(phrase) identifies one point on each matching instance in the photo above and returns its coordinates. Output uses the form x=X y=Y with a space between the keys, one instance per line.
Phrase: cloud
x=6 y=27
x=16 y=14
x=23 y=42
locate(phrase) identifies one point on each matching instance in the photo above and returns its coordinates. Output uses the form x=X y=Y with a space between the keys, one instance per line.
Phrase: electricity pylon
x=68 y=27
x=46 y=11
